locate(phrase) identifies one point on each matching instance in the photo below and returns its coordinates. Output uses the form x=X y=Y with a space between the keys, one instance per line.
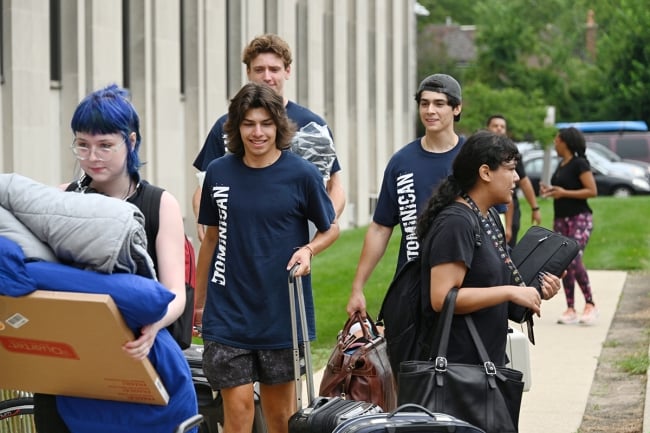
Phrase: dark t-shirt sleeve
x=453 y=239
x=214 y=146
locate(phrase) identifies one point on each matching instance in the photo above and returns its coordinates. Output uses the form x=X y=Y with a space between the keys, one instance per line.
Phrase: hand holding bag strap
x=357 y=318
x=358 y=367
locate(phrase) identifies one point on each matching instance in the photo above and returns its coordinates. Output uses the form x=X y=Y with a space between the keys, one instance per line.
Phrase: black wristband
x=536 y=208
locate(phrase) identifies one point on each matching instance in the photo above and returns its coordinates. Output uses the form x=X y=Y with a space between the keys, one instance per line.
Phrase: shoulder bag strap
x=443 y=331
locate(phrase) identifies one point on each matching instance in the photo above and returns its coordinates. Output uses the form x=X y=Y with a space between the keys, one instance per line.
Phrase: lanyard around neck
x=496 y=235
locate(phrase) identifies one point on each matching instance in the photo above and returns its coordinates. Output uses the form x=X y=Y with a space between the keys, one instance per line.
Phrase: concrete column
x=287 y=30
x=382 y=147
x=103 y=48
x=214 y=69
x=169 y=164
x=316 y=61
x=141 y=77
x=340 y=115
x=29 y=147
x=73 y=79
x=360 y=143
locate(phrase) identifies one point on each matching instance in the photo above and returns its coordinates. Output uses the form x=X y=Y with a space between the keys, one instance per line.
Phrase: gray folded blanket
x=93 y=231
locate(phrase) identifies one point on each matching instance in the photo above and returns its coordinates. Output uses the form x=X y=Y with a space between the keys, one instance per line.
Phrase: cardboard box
x=71 y=344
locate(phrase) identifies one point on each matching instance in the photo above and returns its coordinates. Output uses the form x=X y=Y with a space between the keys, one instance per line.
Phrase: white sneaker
x=589 y=315
x=569 y=317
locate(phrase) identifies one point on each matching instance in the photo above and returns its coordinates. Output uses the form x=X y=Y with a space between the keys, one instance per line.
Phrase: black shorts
x=227 y=366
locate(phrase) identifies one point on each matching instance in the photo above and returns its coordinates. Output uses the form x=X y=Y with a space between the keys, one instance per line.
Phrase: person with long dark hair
x=572 y=184
x=467 y=248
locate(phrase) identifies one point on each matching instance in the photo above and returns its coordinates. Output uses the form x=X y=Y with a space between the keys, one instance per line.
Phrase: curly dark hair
x=268 y=43
x=257 y=95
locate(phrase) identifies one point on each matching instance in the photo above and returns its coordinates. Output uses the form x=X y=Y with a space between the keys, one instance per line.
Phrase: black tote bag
x=484 y=395
x=540 y=250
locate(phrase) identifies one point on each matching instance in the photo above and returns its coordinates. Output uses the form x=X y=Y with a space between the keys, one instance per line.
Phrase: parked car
x=618 y=179
x=527 y=146
x=629 y=139
x=612 y=156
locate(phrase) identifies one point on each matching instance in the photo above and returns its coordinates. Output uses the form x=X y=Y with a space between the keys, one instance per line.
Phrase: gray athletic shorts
x=227 y=366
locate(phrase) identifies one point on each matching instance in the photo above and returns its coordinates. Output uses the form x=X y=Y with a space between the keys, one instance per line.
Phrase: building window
x=126 y=43
x=234 y=46
x=182 y=44
x=55 y=42
x=2 y=44
x=328 y=60
x=301 y=56
x=271 y=16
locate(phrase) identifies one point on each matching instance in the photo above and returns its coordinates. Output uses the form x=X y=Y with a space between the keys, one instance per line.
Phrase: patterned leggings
x=577 y=227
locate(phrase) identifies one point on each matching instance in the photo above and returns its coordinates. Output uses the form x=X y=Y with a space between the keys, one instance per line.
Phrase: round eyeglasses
x=103 y=151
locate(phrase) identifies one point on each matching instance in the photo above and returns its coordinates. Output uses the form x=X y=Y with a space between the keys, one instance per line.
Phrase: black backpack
x=181 y=328
x=402 y=314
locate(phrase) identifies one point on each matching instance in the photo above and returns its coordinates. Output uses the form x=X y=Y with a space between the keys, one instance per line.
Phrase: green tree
x=459 y=12
x=623 y=58
x=525 y=112
x=539 y=49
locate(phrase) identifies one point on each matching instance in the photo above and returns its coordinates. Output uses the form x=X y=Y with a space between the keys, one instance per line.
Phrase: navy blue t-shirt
x=410 y=177
x=453 y=240
x=262 y=215
x=215 y=146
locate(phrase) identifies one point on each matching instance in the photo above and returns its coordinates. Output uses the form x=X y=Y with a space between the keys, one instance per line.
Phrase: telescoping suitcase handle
x=189 y=423
x=296 y=291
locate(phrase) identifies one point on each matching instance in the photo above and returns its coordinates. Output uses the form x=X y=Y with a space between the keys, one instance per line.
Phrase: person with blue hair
x=106 y=142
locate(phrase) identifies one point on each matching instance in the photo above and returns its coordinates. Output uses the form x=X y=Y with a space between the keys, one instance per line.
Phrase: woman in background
x=572 y=184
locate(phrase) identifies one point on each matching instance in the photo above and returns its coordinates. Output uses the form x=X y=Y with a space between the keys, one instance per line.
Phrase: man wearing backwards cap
x=411 y=176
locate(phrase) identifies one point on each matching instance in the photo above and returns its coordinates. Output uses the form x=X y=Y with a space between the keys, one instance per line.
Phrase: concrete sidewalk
x=563 y=360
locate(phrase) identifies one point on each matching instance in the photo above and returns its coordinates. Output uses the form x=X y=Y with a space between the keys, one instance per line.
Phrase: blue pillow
x=141 y=300
x=14 y=279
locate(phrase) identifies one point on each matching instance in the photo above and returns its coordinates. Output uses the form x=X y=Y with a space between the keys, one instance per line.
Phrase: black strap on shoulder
x=150 y=206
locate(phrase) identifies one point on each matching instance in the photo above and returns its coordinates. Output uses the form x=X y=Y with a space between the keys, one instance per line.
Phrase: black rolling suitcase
x=190 y=423
x=322 y=414
x=408 y=418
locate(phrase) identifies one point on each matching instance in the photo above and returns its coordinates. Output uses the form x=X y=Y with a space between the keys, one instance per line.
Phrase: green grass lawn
x=620 y=241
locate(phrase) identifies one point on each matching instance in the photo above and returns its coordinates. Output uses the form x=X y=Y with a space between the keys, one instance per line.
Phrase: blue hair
x=109 y=111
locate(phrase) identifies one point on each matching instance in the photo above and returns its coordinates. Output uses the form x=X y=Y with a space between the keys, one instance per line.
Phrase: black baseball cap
x=441 y=83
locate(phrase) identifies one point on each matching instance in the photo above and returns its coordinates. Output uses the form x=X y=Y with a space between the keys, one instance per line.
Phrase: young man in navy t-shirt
x=256 y=203
x=411 y=176
x=268 y=60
